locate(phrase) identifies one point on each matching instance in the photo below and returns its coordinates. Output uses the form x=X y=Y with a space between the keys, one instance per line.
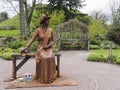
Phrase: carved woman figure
x=45 y=61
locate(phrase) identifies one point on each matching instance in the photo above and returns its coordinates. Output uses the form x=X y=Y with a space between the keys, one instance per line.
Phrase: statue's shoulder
x=38 y=29
x=50 y=29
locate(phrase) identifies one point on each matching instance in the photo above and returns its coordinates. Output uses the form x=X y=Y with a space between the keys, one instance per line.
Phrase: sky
x=91 y=5
x=102 y=5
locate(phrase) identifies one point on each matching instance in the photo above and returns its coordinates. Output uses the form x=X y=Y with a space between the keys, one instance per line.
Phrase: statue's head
x=45 y=19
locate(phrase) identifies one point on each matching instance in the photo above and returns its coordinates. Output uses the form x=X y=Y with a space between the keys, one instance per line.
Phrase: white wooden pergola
x=73 y=35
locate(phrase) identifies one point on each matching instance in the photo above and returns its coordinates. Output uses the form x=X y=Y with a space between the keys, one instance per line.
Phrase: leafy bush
x=55 y=49
x=106 y=45
x=1 y=51
x=117 y=59
x=1 y=54
x=55 y=21
x=13 y=43
x=97 y=58
x=114 y=34
x=95 y=40
x=94 y=47
x=8 y=50
x=7 y=55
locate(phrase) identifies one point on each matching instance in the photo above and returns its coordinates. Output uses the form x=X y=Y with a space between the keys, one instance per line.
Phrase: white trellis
x=73 y=35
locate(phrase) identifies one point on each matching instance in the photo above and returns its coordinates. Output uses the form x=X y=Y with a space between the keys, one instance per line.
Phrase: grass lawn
x=104 y=56
x=106 y=52
x=9 y=32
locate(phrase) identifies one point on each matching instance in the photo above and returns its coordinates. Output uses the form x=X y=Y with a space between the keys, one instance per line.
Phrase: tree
x=115 y=13
x=21 y=8
x=3 y=16
x=69 y=6
x=55 y=21
x=28 y=15
x=27 y=11
x=99 y=15
x=114 y=33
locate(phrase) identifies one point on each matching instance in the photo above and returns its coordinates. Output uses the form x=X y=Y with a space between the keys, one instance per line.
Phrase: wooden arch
x=73 y=35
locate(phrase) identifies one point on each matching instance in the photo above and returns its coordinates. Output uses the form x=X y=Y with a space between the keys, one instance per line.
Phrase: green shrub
x=7 y=55
x=1 y=54
x=106 y=45
x=114 y=33
x=97 y=58
x=94 y=47
x=8 y=50
x=1 y=49
x=95 y=41
x=117 y=59
x=13 y=43
x=55 y=49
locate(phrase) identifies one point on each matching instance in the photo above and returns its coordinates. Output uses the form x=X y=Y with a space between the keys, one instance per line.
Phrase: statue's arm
x=35 y=34
x=52 y=39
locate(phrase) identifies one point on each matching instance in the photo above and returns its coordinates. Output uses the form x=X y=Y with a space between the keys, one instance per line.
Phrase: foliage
x=97 y=28
x=3 y=16
x=54 y=21
x=97 y=58
x=57 y=17
x=7 y=55
x=84 y=19
x=9 y=33
x=14 y=43
x=114 y=34
x=69 y=6
x=105 y=53
x=1 y=51
x=99 y=15
x=35 y=20
x=95 y=40
x=106 y=45
x=65 y=4
x=115 y=15
x=117 y=59
x=55 y=49
x=94 y=47
x=11 y=22
x=97 y=32
x=41 y=9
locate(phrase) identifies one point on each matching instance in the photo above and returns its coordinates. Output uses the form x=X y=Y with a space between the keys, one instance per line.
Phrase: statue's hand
x=45 y=47
x=24 y=52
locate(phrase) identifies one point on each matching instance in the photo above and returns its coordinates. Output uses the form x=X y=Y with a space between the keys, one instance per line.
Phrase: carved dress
x=45 y=60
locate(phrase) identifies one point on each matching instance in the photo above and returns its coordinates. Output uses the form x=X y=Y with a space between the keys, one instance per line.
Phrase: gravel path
x=88 y=75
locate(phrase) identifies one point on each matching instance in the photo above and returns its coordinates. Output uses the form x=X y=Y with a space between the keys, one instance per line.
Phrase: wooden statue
x=45 y=61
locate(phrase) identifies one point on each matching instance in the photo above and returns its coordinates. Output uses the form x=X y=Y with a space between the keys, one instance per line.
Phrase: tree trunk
x=29 y=16
x=21 y=8
x=27 y=23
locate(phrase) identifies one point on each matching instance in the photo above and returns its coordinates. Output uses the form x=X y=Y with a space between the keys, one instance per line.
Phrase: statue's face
x=47 y=22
